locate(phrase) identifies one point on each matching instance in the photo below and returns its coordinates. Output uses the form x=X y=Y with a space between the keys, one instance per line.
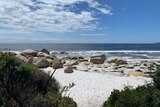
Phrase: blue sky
x=79 y=21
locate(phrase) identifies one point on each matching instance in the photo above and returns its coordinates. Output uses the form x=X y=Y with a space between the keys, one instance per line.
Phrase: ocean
x=131 y=51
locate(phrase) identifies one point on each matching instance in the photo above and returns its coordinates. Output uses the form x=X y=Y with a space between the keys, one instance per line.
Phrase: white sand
x=92 y=89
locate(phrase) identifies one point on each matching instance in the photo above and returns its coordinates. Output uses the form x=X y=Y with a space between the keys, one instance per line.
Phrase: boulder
x=113 y=61
x=41 y=62
x=23 y=58
x=51 y=57
x=41 y=54
x=134 y=73
x=77 y=57
x=29 y=52
x=82 y=60
x=98 y=58
x=66 y=58
x=118 y=61
x=50 y=61
x=68 y=69
x=29 y=59
x=45 y=51
x=121 y=62
x=73 y=62
x=56 y=64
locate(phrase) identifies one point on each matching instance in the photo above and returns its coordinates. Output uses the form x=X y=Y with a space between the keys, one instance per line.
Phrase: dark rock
x=41 y=62
x=98 y=58
x=45 y=51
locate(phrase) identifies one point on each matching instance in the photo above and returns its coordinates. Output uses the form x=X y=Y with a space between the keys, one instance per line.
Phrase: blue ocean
x=138 y=51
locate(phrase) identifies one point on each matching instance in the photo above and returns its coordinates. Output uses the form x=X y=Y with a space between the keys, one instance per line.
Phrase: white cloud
x=48 y=15
x=32 y=38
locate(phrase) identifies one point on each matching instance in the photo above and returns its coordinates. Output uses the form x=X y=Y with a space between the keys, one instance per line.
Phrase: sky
x=79 y=21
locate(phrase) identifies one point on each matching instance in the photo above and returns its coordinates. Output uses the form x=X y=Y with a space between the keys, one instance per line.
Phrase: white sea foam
x=126 y=54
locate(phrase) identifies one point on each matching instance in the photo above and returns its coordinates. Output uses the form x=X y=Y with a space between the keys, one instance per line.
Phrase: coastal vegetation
x=143 y=96
x=23 y=85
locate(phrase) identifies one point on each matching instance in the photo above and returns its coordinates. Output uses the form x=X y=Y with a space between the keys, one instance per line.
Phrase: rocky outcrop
x=73 y=62
x=98 y=58
x=82 y=60
x=29 y=52
x=45 y=51
x=68 y=69
x=56 y=64
x=51 y=57
x=29 y=59
x=118 y=61
x=41 y=62
x=23 y=58
x=50 y=62
x=41 y=54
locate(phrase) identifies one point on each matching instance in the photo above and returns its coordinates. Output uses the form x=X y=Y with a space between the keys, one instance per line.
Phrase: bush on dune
x=143 y=96
x=23 y=85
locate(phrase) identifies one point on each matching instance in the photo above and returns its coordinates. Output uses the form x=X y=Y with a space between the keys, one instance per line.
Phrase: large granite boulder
x=51 y=57
x=118 y=61
x=21 y=57
x=29 y=59
x=66 y=58
x=98 y=58
x=41 y=62
x=68 y=69
x=56 y=64
x=45 y=51
x=29 y=52
x=41 y=54
x=50 y=62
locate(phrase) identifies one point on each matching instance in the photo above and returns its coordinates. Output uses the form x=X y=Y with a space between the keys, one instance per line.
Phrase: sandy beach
x=92 y=89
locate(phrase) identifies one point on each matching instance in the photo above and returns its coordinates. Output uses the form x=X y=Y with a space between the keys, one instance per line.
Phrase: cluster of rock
x=96 y=63
x=122 y=67
x=41 y=58
x=99 y=63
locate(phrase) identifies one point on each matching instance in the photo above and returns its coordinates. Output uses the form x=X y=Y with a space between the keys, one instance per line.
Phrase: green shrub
x=156 y=79
x=23 y=85
x=143 y=96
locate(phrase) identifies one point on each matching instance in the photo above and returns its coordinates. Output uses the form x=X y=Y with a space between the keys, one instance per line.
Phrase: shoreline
x=94 y=78
x=87 y=54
